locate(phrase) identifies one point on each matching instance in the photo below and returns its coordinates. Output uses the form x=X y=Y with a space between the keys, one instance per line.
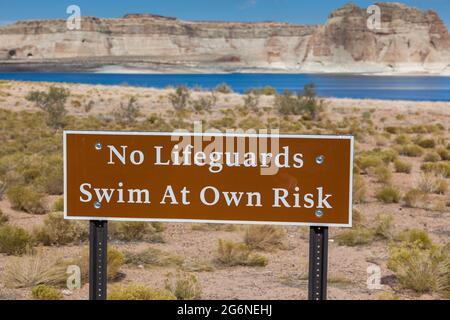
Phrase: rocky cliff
x=409 y=40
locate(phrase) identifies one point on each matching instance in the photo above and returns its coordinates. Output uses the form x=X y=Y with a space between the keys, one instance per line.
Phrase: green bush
x=355 y=237
x=58 y=231
x=265 y=237
x=388 y=194
x=204 y=103
x=368 y=161
x=305 y=103
x=14 y=240
x=444 y=154
x=415 y=268
x=432 y=157
x=414 y=198
x=58 y=205
x=138 y=292
x=53 y=104
x=426 y=143
x=359 y=189
x=115 y=261
x=266 y=91
x=136 y=231
x=223 y=88
x=51 y=175
x=441 y=168
x=129 y=113
x=180 y=98
x=402 y=166
x=231 y=254
x=183 y=286
x=383 y=226
x=411 y=150
x=44 y=292
x=416 y=237
x=27 y=199
x=383 y=174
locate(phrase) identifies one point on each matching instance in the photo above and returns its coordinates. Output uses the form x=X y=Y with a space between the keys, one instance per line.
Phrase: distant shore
x=112 y=66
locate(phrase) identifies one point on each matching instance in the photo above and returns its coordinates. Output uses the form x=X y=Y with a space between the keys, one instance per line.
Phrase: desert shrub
x=411 y=150
x=402 y=139
x=416 y=237
x=383 y=226
x=135 y=231
x=14 y=240
x=180 y=98
x=231 y=254
x=359 y=189
x=426 y=143
x=251 y=101
x=387 y=155
x=265 y=237
x=196 y=265
x=444 y=154
x=432 y=183
x=416 y=268
x=58 y=231
x=367 y=161
x=51 y=177
x=45 y=292
x=153 y=257
x=388 y=194
x=223 y=88
x=441 y=168
x=127 y=114
x=402 y=166
x=58 y=205
x=183 y=286
x=204 y=103
x=27 y=199
x=265 y=91
x=34 y=269
x=355 y=237
x=115 y=261
x=223 y=123
x=53 y=104
x=383 y=174
x=392 y=129
x=305 y=103
x=138 y=292
x=432 y=157
x=414 y=198
x=357 y=218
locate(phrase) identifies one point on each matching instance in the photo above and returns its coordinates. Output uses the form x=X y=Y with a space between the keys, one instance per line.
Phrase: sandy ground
x=347 y=265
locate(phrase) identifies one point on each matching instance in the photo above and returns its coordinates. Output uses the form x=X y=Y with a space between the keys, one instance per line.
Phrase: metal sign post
x=98 y=254
x=318 y=263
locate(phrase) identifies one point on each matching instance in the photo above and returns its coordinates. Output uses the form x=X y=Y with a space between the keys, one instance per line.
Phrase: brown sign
x=208 y=177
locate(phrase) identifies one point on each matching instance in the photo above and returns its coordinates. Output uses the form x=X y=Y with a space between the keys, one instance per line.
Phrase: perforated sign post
x=208 y=177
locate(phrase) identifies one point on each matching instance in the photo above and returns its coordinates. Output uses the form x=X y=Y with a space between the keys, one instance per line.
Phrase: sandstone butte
x=409 y=41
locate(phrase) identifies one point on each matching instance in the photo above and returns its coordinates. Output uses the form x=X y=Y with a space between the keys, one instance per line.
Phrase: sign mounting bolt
x=320 y=159
x=98 y=146
x=319 y=213
x=97 y=205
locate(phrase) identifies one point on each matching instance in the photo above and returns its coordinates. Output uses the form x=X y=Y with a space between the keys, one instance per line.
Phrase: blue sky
x=294 y=11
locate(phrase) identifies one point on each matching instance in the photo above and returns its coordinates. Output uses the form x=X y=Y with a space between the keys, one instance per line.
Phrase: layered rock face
x=409 y=40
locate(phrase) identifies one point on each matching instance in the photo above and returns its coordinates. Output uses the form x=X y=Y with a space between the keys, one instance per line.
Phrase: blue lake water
x=416 y=88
